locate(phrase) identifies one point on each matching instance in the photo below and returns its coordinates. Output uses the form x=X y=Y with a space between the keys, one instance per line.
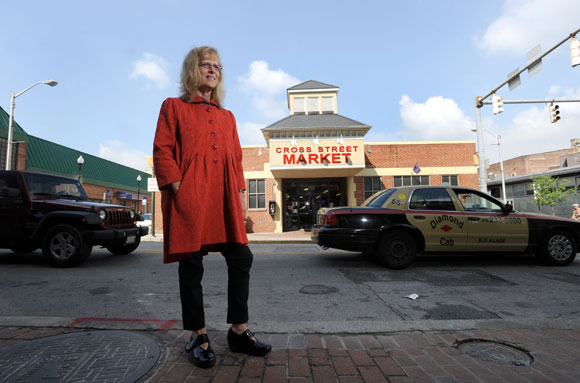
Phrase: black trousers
x=239 y=262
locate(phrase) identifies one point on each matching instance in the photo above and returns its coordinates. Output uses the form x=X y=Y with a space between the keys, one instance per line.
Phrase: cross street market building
x=317 y=158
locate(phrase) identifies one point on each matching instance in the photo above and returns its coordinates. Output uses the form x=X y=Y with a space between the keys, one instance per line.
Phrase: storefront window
x=452 y=180
x=372 y=185
x=519 y=190
x=257 y=194
x=410 y=180
x=529 y=188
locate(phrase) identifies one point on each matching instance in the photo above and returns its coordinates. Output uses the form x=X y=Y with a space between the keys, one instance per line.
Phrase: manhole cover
x=491 y=351
x=95 y=356
x=318 y=289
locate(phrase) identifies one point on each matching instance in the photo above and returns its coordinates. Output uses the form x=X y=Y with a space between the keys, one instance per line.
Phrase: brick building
x=317 y=158
x=537 y=162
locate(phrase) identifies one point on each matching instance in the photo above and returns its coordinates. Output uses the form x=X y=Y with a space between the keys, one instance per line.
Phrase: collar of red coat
x=200 y=100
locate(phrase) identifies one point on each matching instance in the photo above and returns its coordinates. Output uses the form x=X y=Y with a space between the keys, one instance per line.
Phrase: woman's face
x=210 y=72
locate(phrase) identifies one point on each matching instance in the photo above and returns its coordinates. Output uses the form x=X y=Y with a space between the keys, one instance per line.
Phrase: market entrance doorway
x=303 y=198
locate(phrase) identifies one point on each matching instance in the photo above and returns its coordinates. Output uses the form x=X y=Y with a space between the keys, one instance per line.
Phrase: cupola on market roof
x=314 y=112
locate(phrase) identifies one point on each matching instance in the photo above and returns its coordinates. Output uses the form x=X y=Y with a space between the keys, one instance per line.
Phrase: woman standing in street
x=198 y=165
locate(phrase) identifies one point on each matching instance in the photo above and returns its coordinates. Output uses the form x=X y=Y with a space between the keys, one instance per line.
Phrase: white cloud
x=153 y=68
x=268 y=88
x=525 y=23
x=531 y=131
x=116 y=151
x=250 y=133
x=437 y=119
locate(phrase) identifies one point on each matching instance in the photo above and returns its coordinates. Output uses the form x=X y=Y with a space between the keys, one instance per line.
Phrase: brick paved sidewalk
x=401 y=357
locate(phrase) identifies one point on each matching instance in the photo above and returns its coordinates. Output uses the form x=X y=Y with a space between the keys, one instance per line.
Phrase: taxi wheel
x=397 y=250
x=559 y=248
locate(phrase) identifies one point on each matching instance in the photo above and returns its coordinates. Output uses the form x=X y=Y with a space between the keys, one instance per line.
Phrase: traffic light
x=497 y=103
x=574 y=51
x=554 y=113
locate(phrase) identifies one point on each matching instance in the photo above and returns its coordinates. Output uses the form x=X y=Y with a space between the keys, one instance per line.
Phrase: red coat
x=197 y=143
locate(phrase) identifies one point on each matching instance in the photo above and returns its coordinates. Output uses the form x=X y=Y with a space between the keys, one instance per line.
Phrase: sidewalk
x=499 y=352
x=298 y=236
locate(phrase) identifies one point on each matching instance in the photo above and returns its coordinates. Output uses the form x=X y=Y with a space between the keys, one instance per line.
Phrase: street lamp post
x=498 y=137
x=80 y=161
x=138 y=192
x=11 y=119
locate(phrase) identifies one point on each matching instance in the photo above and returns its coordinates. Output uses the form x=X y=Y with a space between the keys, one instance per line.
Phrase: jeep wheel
x=124 y=248
x=558 y=249
x=23 y=249
x=396 y=250
x=63 y=246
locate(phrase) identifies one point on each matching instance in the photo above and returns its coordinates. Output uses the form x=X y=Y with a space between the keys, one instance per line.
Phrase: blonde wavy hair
x=191 y=74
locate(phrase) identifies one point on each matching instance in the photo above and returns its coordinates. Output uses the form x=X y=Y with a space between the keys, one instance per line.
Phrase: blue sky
x=410 y=69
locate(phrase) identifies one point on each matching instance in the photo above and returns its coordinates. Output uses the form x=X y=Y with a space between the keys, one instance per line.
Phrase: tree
x=549 y=191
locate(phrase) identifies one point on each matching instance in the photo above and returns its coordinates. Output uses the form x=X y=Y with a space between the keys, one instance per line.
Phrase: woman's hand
x=243 y=202
x=175 y=186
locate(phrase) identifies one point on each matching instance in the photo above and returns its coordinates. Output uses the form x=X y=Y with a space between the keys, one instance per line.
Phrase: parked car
x=398 y=223
x=146 y=221
x=53 y=213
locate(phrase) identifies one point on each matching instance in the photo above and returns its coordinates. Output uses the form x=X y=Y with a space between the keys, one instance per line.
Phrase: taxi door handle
x=419 y=216
x=473 y=218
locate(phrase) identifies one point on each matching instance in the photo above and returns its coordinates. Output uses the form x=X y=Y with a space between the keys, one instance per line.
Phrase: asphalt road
x=299 y=288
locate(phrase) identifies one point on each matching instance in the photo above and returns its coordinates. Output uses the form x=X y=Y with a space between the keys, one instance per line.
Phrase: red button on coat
x=213 y=132
x=211 y=121
x=215 y=160
x=208 y=109
x=214 y=147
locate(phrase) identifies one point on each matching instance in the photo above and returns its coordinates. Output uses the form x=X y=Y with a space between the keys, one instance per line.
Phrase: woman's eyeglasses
x=209 y=66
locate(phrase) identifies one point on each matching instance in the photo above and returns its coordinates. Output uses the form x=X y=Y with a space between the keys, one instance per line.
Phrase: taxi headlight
x=132 y=214
x=102 y=214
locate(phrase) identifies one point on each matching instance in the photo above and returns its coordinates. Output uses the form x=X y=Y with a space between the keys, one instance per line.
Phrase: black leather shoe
x=246 y=345
x=200 y=357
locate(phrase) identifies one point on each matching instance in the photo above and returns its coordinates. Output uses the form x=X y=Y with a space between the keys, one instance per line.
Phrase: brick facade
x=397 y=159
x=260 y=220
x=425 y=154
x=530 y=164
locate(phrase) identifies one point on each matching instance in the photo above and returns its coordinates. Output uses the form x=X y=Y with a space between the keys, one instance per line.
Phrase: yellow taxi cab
x=396 y=224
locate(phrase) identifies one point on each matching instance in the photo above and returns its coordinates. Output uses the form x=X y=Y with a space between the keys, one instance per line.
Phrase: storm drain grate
x=492 y=351
x=95 y=356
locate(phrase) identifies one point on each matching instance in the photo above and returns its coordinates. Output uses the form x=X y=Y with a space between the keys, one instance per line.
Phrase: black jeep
x=53 y=213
